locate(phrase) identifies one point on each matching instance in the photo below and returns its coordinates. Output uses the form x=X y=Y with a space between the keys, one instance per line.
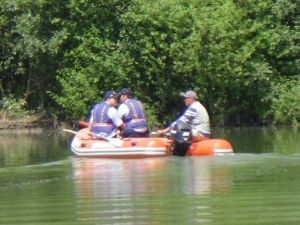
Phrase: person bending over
x=131 y=111
x=104 y=119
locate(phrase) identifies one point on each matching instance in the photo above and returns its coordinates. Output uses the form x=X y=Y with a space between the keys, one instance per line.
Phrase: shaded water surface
x=41 y=182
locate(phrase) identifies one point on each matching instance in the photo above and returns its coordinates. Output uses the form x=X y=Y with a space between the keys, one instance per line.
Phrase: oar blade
x=70 y=131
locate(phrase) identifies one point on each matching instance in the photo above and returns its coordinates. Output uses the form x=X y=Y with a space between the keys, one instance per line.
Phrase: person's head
x=111 y=97
x=189 y=97
x=125 y=94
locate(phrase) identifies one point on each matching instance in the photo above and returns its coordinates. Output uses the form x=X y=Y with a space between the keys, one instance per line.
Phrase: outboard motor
x=182 y=136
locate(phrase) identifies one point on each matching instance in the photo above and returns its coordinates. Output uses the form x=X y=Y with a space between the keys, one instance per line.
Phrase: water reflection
x=108 y=190
x=245 y=188
x=25 y=148
x=262 y=139
x=104 y=177
x=203 y=177
x=143 y=189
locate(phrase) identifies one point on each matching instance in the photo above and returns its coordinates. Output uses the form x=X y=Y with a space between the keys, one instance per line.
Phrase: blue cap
x=126 y=91
x=110 y=94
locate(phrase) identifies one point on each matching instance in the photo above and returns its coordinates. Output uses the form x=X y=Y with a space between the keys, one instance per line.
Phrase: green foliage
x=32 y=39
x=151 y=115
x=236 y=54
x=13 y=108
x=91 y=73
x=285 y=107
x=156 y=35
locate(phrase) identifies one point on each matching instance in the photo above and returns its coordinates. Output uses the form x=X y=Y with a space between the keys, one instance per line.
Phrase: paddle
x=113 y=141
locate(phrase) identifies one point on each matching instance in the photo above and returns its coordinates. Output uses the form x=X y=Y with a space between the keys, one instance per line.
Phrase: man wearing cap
x=131 y=111
x=195 y=115
x=104 y=120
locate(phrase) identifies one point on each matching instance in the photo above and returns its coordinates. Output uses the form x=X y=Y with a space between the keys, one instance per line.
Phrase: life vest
x=101 y=123
x=136 y=116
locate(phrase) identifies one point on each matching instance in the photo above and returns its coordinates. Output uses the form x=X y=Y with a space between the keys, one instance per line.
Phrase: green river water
x=42 y=182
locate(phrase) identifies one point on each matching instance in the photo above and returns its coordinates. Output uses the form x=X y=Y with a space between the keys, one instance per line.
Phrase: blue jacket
x=100 y=119
x=136 y=117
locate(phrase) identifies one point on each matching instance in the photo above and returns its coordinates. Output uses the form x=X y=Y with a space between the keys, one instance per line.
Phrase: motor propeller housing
x=182 y=136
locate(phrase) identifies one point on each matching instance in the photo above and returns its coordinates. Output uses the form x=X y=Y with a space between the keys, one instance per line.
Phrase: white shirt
x=123 y=110
x=197 y=116
x=112 y=113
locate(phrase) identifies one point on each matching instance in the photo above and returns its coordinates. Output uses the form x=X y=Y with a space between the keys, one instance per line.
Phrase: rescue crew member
x=195 y=115
x=131 y=111
x=104 y=119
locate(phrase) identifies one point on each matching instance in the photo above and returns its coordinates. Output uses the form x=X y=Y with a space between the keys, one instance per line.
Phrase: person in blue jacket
x=131 y=111
x=104 y=118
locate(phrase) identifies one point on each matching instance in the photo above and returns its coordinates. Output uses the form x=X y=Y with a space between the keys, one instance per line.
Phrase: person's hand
x=160 y=131
x=163 y=131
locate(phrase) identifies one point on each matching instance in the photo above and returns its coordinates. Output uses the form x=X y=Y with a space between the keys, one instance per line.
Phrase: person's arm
x=188 y=116
x=114 y=116
x=163 y=131
x=123 y=110
x=166 y=130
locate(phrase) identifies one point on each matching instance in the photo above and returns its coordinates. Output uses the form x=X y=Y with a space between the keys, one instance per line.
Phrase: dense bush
x=239 y=56
x=285 y=106
x=12 y=108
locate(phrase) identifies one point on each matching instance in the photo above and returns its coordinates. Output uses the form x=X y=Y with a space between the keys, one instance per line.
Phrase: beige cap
x=189 y=94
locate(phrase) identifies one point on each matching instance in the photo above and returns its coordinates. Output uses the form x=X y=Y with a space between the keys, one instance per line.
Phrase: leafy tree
x=31 y=43
x=285 y=107
x=240 y=56
x=94 y=63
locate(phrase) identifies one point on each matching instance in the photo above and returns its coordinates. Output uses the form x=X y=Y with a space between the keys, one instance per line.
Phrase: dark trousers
x=128 y=132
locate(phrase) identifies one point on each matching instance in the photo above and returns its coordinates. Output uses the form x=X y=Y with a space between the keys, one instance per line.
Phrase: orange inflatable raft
x=84 y=145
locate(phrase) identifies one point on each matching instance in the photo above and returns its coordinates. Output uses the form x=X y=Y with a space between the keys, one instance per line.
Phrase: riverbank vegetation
x=242 y=57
